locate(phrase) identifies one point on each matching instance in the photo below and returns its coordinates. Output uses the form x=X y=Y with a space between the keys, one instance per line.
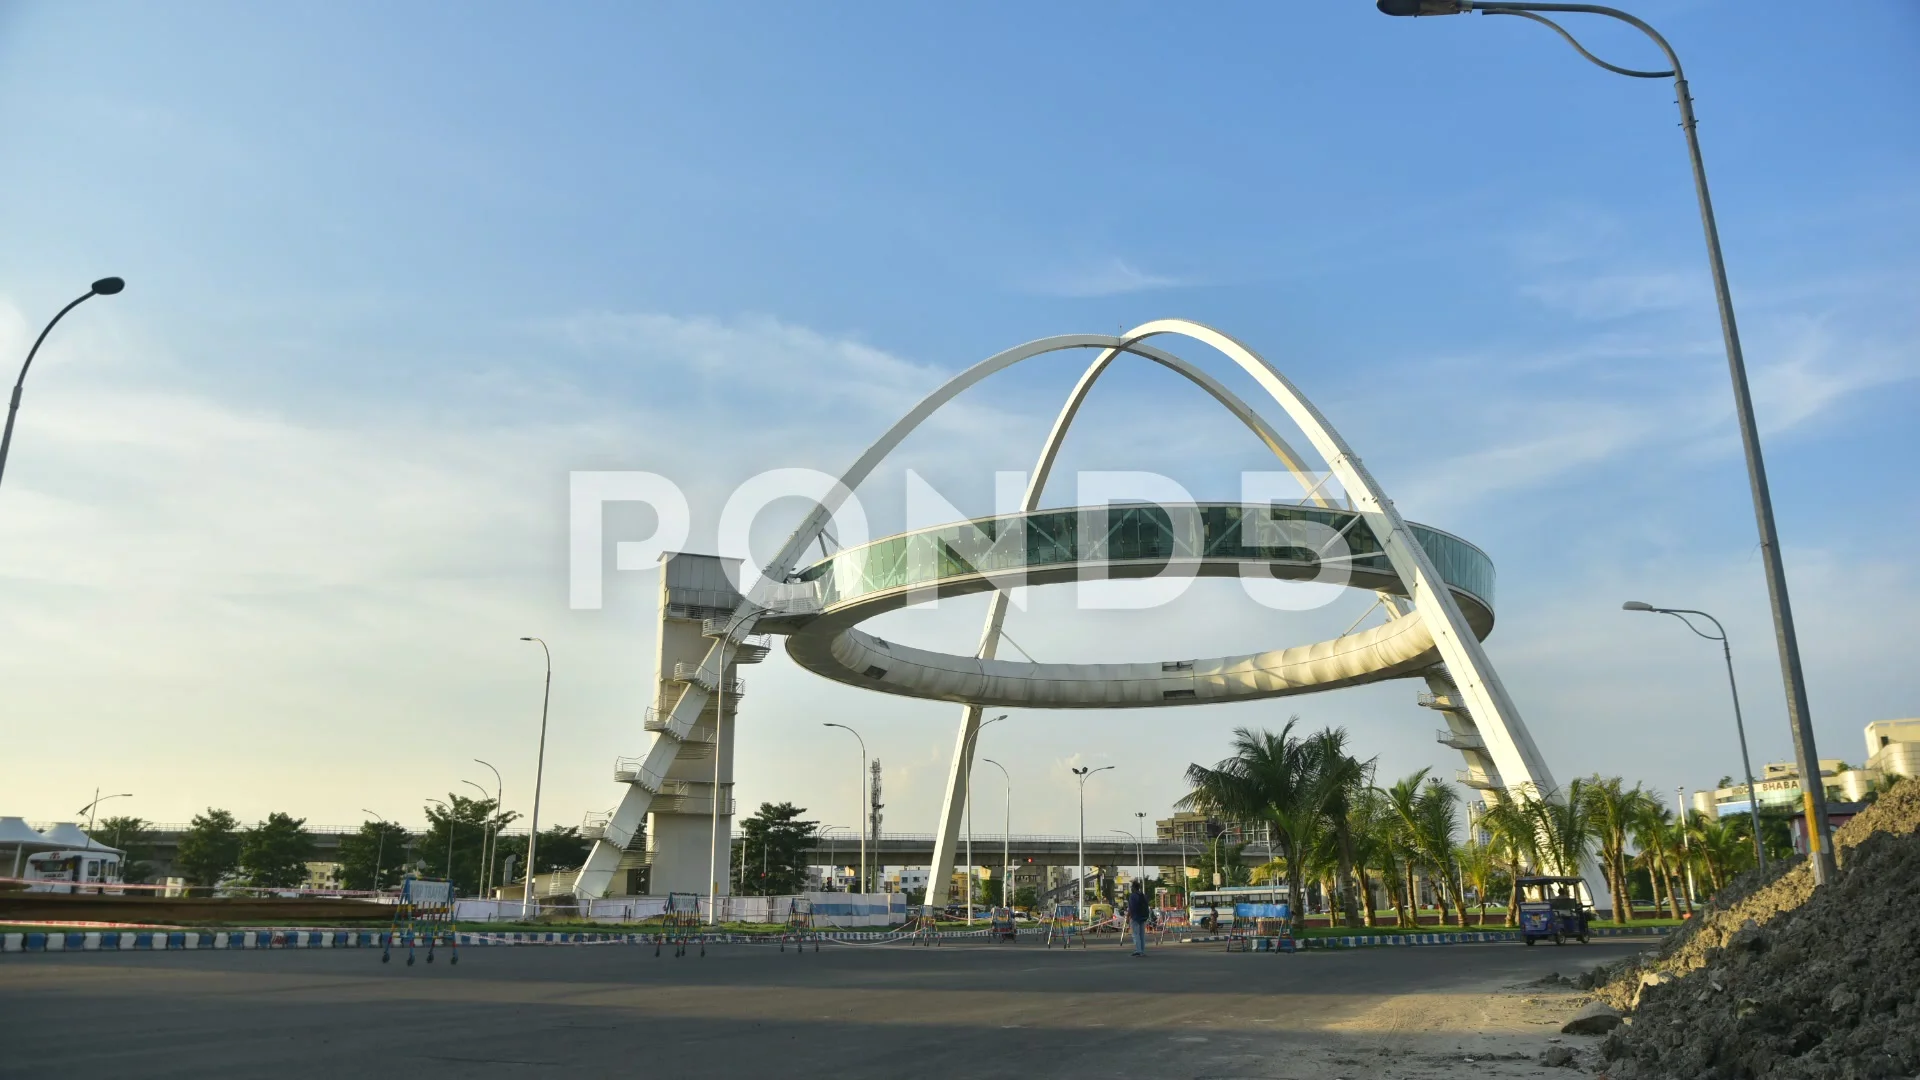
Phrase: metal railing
x=700 y=794
x=788 y=598
x=1459 y=740
x=633 y=770
x=1429 y=700
x=699 y=676
x=980 y=839
x=1475 y=779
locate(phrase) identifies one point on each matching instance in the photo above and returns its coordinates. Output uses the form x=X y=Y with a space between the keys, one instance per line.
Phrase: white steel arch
x=1486 y=699
x=1516 y=757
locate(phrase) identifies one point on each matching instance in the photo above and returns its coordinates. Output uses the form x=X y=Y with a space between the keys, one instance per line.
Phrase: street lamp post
x=492 y=849
x=379 y=847
x=1139 y=848
x=1006 y=840
x=833 y=851
x=539 y=770
x=1686 y=843
x=106 y=286
x=1739 y=725
x=1080 y=871
x=1799 y=713
x=1186 y=883
x=486 y=834
x=972 y=741
x=97 y=797
x=860 y=792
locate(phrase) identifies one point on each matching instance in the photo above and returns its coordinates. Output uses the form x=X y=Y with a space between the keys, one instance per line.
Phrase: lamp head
x=107 y=286
x=1636 y=605
x=1423 y=7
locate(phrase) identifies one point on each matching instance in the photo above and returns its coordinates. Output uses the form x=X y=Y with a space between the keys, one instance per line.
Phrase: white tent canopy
x=66 y=836
x=15 y=830
x=25 y=840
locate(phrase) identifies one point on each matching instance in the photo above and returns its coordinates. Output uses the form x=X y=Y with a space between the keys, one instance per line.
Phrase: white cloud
x=1614 y=296
x=1110 y=276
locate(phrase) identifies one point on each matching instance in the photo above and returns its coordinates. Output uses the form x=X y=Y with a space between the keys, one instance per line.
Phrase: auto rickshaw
x=1002 y=927
x=1551 y=907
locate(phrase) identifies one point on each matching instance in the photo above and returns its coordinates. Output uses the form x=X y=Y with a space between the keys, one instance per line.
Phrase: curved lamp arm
x=1592 y=9
x=1681 y=614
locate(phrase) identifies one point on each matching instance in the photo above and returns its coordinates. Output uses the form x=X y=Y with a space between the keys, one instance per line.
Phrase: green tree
x=131 y=836
x=1436 y=824
x=374 y=857
x=274 y=852
x=1370 y=824
x=1026 y=897
x=1514 y=837
x=1776 y=830
x=1344 y=777
x=1566 y=828
x=1422 y=819
x=561 y=848
x=1479 y=869
x=1724 y=847
x=1231 y=868
x=986 y=892
x=1282 y=781
x=1658 y=838
x=210 y=848
x=774 y=843
x=471 y=825
x=1613 y=808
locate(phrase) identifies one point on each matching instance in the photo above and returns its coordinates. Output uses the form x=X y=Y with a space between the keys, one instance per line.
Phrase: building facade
x=1893 y=750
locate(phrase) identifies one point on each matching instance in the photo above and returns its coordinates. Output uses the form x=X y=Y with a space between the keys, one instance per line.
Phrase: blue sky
x=276 y=515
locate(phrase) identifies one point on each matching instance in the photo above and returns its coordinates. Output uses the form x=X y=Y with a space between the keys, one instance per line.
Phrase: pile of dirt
x=1777 y=979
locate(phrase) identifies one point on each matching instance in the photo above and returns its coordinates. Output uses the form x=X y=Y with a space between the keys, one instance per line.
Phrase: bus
x=1238 y=906
x=68 y=871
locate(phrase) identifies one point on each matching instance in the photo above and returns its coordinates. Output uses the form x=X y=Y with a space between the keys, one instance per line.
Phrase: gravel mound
x=1776 y=979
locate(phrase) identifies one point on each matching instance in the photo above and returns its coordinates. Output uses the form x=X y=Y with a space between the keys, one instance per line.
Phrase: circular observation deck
x=1285 y=542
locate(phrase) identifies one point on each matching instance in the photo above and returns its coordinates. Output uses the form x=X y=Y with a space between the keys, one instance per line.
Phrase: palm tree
x=1367 y=827
x=1612 y=810
x=1276 y=779
x=1425 y=817
x=1387 y=851
x=1515 y=836
x=1724 y=846
x=1478 y=866
x=1401 y=799
x=1343 y=777
x=1657 y=837
x=1566 y=828
x=1430 y=833
x=1267 y=873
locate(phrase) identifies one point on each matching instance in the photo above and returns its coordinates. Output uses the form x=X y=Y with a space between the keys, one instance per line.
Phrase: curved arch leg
x=946 y=841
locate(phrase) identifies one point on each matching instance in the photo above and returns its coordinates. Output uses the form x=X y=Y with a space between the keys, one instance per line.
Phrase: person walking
x=1137 y=912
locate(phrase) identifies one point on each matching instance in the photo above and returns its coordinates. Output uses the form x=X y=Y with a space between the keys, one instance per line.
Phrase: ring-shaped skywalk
x=1276 y=541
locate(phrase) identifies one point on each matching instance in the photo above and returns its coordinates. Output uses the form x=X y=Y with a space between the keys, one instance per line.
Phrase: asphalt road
x=847 y=1012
